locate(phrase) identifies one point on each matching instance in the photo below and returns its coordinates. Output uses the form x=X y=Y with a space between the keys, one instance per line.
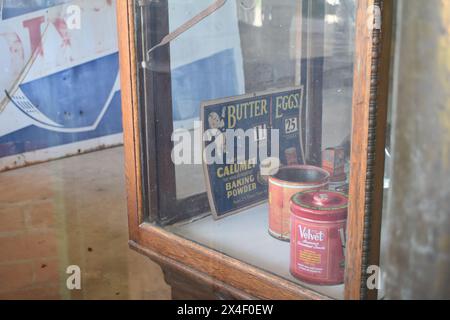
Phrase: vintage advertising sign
x=265 y=126
x=60 y=91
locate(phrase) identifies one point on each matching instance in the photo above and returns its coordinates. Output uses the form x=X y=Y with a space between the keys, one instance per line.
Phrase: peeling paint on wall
x=417 y=243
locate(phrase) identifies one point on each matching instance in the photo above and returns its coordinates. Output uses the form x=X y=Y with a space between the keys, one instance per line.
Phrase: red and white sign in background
x=59 y=84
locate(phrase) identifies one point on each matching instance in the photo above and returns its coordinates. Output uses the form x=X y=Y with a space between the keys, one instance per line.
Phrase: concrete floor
x=71 y=212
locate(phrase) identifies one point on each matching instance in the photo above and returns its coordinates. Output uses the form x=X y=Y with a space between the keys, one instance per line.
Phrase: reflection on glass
x=282 y=73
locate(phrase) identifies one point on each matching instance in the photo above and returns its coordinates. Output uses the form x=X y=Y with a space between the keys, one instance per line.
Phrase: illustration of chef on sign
x=217 y=127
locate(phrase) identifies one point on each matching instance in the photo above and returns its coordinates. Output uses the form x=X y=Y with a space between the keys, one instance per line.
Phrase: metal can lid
x=320 y=205
x=299 y=175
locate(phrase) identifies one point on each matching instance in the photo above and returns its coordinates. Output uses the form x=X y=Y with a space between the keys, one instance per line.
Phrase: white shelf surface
x=244 y=236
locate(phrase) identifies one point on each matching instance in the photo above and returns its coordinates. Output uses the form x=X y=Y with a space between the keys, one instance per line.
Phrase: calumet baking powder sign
x=60 y=73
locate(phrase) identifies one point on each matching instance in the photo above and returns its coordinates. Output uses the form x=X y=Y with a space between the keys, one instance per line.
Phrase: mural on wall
x=59 y=81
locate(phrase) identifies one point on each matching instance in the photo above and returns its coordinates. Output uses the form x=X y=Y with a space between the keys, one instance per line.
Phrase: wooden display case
x=168 y=208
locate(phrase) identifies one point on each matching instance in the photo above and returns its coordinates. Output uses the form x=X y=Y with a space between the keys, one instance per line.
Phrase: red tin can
x=283 y=185
x=318 y=221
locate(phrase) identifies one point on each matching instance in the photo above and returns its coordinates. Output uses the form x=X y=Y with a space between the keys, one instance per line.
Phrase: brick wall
x=29 y=265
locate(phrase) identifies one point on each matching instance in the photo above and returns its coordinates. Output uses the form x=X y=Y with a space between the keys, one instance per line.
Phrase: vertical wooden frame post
x=130 y=118
x=369 y=113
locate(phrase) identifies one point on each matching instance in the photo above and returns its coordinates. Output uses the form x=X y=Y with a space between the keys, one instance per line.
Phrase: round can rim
x=295 y=201
x=285 y=183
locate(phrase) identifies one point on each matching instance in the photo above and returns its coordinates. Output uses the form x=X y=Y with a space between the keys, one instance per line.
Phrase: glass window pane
x=260 y=101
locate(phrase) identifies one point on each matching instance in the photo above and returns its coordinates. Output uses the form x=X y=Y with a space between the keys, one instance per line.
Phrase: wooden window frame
x=369 y=113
